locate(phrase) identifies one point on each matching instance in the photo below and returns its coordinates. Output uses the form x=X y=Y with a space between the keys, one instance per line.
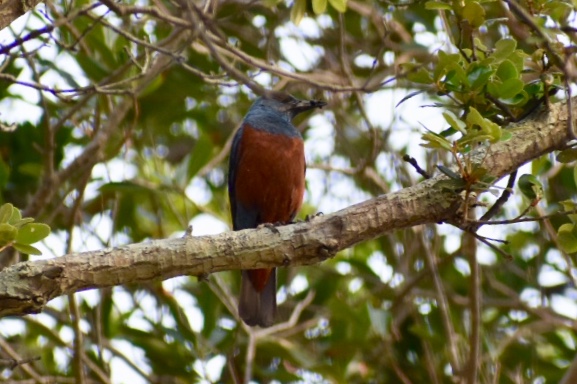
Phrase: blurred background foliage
x=116 y=126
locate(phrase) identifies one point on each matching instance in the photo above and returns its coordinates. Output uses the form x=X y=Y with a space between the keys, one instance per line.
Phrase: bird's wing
x=232 y=168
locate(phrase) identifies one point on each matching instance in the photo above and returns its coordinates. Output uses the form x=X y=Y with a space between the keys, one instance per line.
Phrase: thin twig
x=13 y=363
x=486 y=241
x=470 y=249
x=444 y=309
x=500 y=201
x=27 y=368
x=413 y=162
x=254 y=335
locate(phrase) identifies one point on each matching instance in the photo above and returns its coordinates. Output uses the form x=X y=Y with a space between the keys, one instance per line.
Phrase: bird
x=266 y=184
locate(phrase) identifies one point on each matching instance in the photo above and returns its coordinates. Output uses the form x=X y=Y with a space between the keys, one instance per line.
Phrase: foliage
x=117 y=119
x=19 y=232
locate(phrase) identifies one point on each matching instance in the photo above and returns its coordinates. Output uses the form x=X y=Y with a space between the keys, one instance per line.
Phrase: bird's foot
x=310 y=217
x=271 y=227
x=188 y=232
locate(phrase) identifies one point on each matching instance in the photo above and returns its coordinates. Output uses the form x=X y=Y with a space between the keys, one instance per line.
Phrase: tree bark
x=10 y=10
x=27 y=287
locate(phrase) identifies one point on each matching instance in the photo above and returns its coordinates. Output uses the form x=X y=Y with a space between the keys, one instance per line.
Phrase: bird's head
x=285 y=104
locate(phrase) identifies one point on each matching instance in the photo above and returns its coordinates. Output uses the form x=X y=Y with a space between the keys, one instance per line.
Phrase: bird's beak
x=299 y=106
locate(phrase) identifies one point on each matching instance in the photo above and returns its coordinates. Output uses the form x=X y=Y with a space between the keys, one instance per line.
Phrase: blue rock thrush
x=266 y=185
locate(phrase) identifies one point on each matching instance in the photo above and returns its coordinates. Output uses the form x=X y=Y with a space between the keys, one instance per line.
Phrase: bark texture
x=10 y=10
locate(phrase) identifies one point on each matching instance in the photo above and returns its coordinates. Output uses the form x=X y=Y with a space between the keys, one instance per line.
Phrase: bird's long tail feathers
x=254 y=307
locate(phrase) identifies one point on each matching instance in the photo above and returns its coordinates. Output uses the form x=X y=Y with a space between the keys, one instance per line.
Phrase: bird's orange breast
x=270 y=175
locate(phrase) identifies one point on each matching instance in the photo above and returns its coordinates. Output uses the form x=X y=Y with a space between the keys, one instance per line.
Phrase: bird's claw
x=271 y=227
x=310 y=217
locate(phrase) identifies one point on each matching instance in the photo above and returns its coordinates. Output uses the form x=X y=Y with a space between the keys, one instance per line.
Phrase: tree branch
x=12 y=9
x=27 y=287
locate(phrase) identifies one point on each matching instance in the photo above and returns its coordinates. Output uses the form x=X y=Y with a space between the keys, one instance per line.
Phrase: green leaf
x=298 y=11
x=27 y=249
x=436 y=5
x=448 y=132
x=558 y=10
x=510 y=88
x=567 y=238
x=432 y=140
x=126 y=187
x=409 y=96
x=31 y=169
x=519 y=99
x=448 y=172
x=569 y=206
x=6 y=212
x=455 y=122
x=7 y=233
x=479 y=75
x=504 y=48
x=507 y=70
x=319 y=6
x=478 y=173
x=473 y=137
x=339 y=5
x=153 y=86
x=20 y=223
x=518 y=59
x=32 y=233
x=456 y=78
x=567 y=156
x=16 y=216
x=446 y=63
x=506 y=135
x=417 y=73
x=474 y=13
x=530 y=186
x=489 y=129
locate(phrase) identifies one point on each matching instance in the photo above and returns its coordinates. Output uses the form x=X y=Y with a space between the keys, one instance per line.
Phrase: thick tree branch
x=13 y=9
x=27 y=287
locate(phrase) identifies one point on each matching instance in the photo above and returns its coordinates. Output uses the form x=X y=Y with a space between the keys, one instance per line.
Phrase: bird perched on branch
x=266 y=185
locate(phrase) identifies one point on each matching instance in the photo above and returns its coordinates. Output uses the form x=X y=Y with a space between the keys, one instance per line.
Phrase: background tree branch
x=10 y=10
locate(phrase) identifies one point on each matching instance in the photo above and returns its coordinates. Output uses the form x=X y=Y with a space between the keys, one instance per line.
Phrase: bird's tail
x=257 y=307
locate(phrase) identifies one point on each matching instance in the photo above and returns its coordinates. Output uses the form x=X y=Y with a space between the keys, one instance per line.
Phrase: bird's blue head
x=271 y=110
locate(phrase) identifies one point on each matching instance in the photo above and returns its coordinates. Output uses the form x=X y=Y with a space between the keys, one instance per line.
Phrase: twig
x=29 y=370
x=444 y=309
x=136 y=367
x=526 y=18
x=13 y=363
x=486 y=241
x=413 y=162
x=429 y=355
x=519 y=219
x=93 y=152
x=500 y=201
x=291 y=322
x=78 y=340
x=78 y=343
x=570 y=376
x=570 y=127
x=46 y=29
x=254 y=335
x=470 y=249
